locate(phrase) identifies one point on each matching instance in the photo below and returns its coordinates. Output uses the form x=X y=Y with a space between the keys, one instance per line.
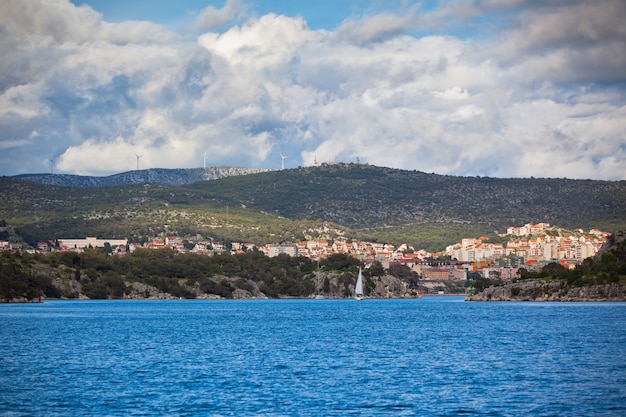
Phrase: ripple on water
x=435 y=356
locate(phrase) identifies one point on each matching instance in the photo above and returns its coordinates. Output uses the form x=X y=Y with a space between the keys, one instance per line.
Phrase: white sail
x=358 y=288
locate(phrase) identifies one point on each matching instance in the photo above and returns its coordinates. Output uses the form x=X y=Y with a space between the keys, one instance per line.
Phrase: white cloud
x=95 y=157
x=58 y=22
x=533 y=101
x=13 y=143
x=453 y=93
x=271 y=40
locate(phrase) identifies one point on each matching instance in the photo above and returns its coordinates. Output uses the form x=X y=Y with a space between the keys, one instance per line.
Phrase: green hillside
x=358 y=201
x=372 y=198
x=363 y=196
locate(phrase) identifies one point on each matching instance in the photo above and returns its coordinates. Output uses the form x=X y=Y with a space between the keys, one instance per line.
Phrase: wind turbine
x=138 y=156
x=282 y=161
x=204 y=160
x=51 y=165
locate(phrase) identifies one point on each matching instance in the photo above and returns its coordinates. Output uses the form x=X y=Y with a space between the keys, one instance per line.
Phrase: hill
x=145 y=176
x=359 y=201
x=364 y=196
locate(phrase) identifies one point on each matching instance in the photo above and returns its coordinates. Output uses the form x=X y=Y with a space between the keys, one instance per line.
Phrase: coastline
x=537 y=290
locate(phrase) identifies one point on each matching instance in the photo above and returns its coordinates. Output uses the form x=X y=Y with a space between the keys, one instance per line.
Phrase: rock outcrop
x=538 y=290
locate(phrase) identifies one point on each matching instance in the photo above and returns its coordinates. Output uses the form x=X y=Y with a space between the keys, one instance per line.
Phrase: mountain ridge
x=164 y=176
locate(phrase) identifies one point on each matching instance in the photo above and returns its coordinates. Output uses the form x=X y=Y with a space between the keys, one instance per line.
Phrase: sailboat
x=358 y=288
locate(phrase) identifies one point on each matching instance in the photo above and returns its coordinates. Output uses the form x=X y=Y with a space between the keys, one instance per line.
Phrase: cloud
x=212 y=18
x=269 y=41
x=60 y=22
x=453 y=93
x=534 y=98
x=580 y=24
x=579 y=42
x=376 y=28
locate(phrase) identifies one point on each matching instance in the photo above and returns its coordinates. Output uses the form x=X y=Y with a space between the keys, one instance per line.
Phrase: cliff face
x=538 y=290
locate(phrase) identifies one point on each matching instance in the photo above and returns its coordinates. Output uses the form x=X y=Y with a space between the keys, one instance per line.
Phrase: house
x=172 y=241
x=436 y=274
x=156 y=244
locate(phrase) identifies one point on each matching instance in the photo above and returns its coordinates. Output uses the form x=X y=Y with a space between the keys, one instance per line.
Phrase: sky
x=497 y=88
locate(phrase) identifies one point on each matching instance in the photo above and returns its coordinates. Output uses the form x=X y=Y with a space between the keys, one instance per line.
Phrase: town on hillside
x=530 y=246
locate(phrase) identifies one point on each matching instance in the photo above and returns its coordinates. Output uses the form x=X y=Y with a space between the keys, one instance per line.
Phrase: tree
x=403 y=272
x=339 y=262
x=552 y=270
x=107 y=248
x=376 y=269
x=481 y=283
x=523 y=273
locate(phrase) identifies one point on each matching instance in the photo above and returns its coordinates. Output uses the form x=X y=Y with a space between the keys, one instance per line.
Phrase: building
x=275 y=250
x=436 y=274
x=89 y=242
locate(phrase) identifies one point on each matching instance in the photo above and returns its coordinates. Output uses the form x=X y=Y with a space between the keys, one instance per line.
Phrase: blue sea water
x=435 y=356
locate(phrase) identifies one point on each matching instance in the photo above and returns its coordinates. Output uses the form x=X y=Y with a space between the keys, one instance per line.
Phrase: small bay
x=436 y=356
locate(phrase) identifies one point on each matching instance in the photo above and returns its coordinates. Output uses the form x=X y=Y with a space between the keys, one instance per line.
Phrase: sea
x=434 y=356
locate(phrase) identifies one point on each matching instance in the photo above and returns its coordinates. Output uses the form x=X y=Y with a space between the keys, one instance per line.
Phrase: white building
x=275 y=250
x=90 y=242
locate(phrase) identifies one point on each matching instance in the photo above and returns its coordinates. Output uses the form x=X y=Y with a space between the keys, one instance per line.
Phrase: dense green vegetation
x=102 y=276
x=358 y=201
x=19 y=280
x=361 y=196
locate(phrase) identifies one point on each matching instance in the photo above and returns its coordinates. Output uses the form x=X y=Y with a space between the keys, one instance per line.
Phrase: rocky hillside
x=538 y=290
x=145 y=176
x=381 y=287
x=67 y=283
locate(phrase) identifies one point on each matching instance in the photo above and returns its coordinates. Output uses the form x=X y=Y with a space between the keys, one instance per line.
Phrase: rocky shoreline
x=382 y=287
x=538 y=290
